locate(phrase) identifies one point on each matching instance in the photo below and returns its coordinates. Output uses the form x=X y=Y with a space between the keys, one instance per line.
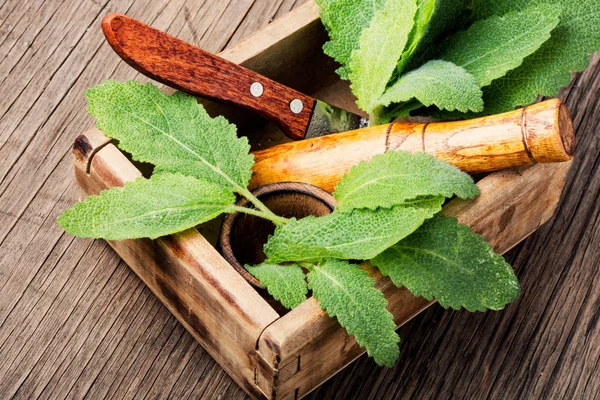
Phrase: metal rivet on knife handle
x=256 y=89
x=296 y=106
x=203 y=74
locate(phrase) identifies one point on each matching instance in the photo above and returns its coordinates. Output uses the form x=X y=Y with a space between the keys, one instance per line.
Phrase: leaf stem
x=402 y=110
x=266 y=213
x=376 y=116
x=277 y=220
x=309 y=266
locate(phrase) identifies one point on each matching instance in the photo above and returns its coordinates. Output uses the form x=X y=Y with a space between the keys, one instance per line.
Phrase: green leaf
x=397 y=178
x=345 y=21
x=425 y=11
x=439 y=83
x=161 y=205
x=380 y=48
x=448 y=15
x=446 y=261
x=286 y=283
x=401 y=110
x=481 y=9
x=356 y=235
x=345 y=291
x=172 y=132
x=492 y=47
x=548 y=69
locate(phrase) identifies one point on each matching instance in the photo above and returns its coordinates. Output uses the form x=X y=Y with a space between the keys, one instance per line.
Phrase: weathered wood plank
x=64 y=174
x=17 y=35
x=42 y=203
x=542 y=345
x=305 y=336
x=44 y=325
x=260 y=14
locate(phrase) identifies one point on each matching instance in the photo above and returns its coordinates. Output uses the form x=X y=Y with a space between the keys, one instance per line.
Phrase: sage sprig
x=466 y=56
x=386 y=213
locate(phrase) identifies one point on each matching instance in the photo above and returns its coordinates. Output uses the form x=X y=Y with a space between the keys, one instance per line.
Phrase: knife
x=187 y=68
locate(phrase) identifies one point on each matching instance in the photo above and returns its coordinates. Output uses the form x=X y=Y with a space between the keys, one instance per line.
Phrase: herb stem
x=402 y=110
x=266 y=213
x=277 y=220
x=376 y=117
x=309 y=266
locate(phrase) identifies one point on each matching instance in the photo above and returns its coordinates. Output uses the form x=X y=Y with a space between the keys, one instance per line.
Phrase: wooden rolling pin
x=539 y=133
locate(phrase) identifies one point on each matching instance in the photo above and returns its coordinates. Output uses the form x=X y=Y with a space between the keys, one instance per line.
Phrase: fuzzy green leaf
x=481 y=9
x=380 y=48
x=172 y=132
x=548 y=69
x=439 y=83
x=448 y=15
x=161 y=205
x=356 y=235
x=425 y=11
x=492 y=47
x=446 y=261
x=345 y=21
x=397 y=178
x=286 y=283
x=345 y=291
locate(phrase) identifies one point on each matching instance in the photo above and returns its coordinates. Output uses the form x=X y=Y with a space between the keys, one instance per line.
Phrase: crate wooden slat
x=512 y=205
x=286 y=357
x=221 y=310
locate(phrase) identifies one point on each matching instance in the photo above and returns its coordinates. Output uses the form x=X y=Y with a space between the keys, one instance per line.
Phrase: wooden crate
x=285 y=357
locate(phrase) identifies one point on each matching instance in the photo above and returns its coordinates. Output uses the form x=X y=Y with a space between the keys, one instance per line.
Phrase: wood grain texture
x=75 y=321
x=307 y=337
x=229 y=318
x=539 y=133
x=182 y=66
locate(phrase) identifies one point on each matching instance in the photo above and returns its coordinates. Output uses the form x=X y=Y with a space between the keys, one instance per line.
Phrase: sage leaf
x=355 y=235
x=380 y=48
x=548 y=69
x=448 y=16
x=440 y=83
x=491 y=47
x=398 y=178
x=345 y=291
x=173 y=132
x=446 y=261
x=149 y=208
x=345 y=21
x=423 y=15
x=286 y=283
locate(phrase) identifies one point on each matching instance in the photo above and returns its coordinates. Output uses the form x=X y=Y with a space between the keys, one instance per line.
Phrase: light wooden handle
x=539 y=133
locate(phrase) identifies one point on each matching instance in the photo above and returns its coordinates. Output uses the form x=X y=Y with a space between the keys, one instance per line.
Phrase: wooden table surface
x=76 y=322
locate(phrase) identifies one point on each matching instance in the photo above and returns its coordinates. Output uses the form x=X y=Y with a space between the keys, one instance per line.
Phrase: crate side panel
x=512 y=205
x=219 y=308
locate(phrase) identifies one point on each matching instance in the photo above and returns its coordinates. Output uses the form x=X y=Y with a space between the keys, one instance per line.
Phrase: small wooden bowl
x=242 y=236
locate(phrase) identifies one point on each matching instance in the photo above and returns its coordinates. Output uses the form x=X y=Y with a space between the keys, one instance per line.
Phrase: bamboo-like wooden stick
x=539 y=133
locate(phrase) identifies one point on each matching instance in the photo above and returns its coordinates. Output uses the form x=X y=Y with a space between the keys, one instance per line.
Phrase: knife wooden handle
x=187 y=68
x=542 y=132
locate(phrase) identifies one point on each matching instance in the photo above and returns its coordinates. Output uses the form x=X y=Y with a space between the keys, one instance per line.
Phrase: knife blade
x=185 y=67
